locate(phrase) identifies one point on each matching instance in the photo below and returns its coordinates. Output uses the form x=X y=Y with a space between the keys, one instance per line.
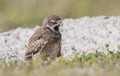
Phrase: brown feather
x=45 y=41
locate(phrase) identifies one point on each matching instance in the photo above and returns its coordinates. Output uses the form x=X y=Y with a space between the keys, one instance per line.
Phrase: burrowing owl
x=46 y=40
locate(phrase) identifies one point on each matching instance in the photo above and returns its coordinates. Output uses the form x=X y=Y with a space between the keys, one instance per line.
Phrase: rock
x=86 y=34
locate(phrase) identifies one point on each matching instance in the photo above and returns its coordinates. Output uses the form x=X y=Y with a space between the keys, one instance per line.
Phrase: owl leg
x=59 y=54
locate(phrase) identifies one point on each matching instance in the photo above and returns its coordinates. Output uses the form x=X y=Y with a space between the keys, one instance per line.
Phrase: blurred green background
x=28 y=13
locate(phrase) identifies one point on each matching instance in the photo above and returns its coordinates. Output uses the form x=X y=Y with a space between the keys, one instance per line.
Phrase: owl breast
x=52 y=47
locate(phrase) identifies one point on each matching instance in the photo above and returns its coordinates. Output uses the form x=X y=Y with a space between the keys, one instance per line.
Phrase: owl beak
x=59 y=23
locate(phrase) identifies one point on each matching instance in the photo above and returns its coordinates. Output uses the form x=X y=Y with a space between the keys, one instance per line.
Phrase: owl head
x=52 y=22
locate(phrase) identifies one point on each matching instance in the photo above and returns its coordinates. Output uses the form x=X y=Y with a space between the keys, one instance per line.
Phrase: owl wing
x=36 y=43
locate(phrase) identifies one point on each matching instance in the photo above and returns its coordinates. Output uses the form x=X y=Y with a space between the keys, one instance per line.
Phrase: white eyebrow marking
x=52 y=20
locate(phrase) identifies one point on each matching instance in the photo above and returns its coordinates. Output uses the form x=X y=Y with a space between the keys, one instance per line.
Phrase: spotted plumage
x=46 y=40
